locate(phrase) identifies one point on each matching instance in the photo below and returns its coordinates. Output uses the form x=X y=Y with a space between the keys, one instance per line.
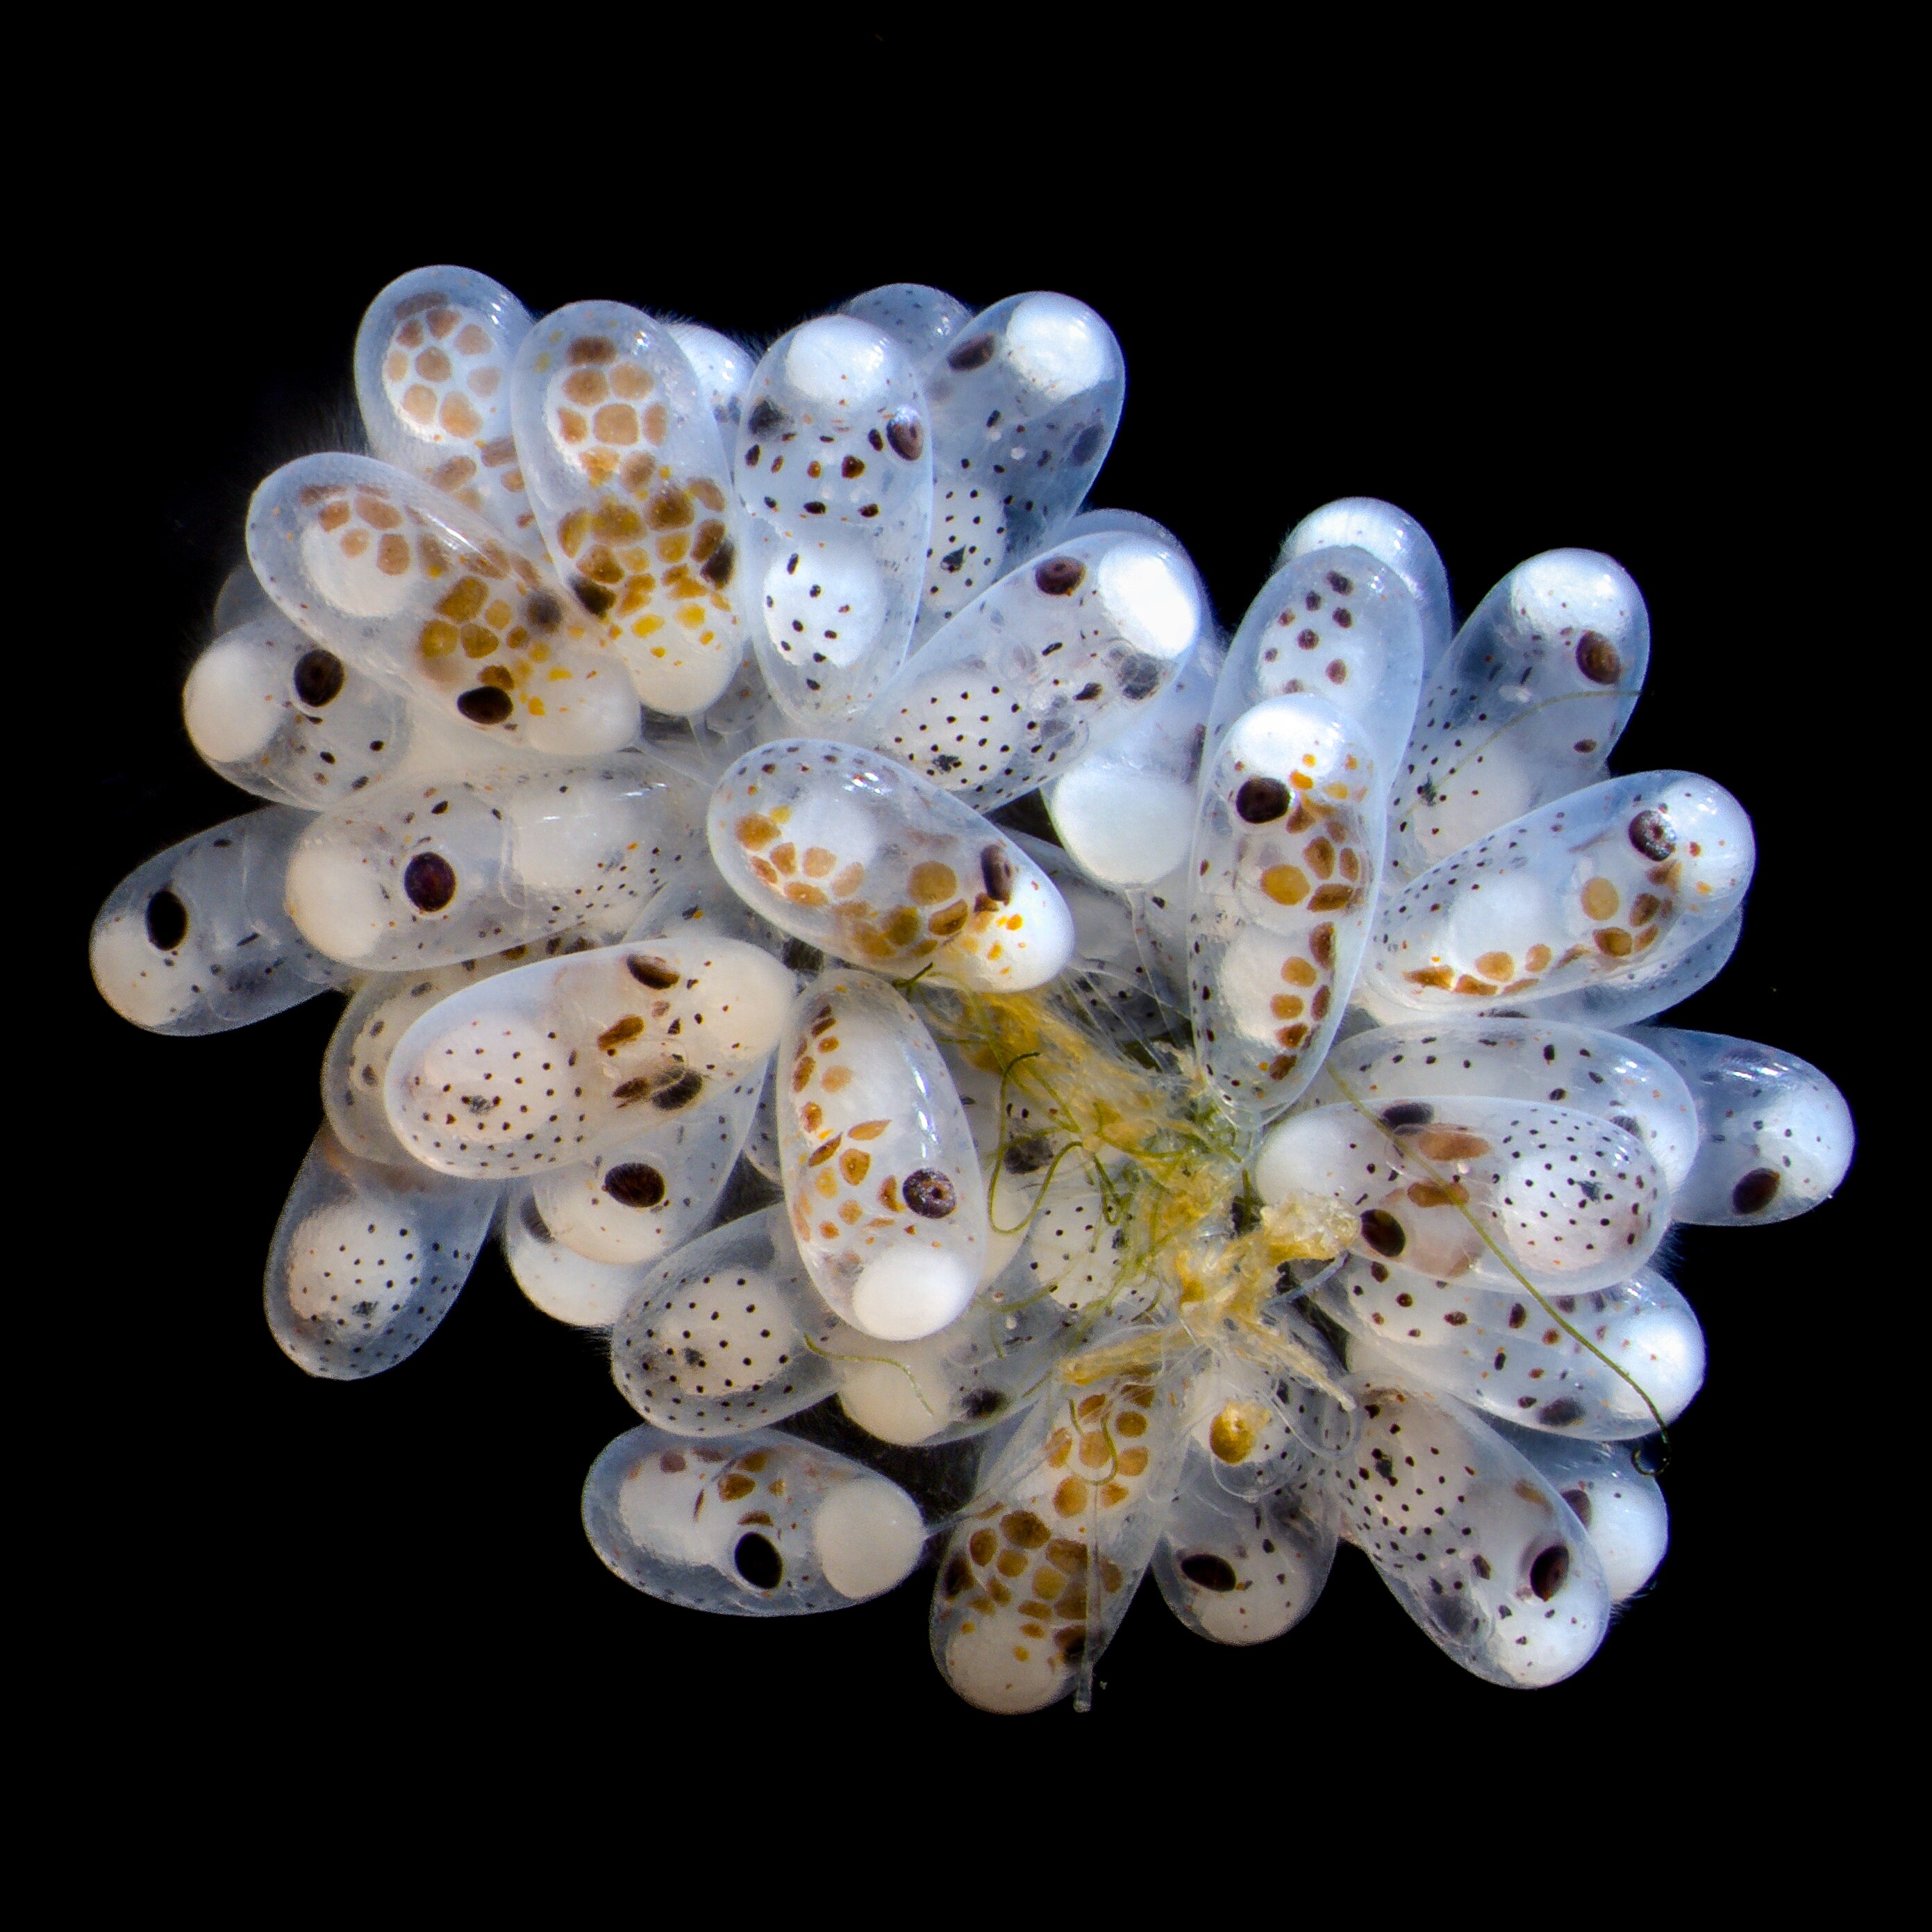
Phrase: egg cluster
x=846 y=922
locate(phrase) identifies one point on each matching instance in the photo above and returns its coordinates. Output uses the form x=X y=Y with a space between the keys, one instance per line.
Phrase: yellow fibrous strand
x=1168 y=1167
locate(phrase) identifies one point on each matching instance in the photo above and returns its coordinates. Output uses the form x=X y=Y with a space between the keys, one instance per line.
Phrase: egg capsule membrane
x=723 y=368
x=762 y=1525
x=1340 y=624
x=423 y=594
x=433 y=360
x=921 y=320
x=1259 y=1426
x=1394 y=538
x=881 y=1176
x=1401 y=1073
x=834 y=475
x=553 y=1063
x=1525 y=706
x=1063 y=654
x=1286 y=856
x=1047 y=1556
x=367 y=1260
x=623 y=462
x=1621 y=1508
x=1124 y=811
x=196 y=941
x=1508 y=1582
x=1777 y=1136
x=286 y=718
x=565 y=1284
x=1580 y=1364
x=1488 y=1191
x=1240 y=1570
x=1025 y=399
x=648 y=1194
x=1617 y=881
x=432 y=873
x=1654 y=985
x=727 y=1334
x=865 y=860
x=975 y=1375
x=379 y=1012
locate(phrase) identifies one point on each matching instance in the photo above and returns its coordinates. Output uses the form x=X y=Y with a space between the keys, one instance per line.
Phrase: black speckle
x=975 y=353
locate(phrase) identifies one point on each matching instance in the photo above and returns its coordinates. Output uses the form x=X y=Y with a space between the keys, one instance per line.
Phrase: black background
x=394 y=1571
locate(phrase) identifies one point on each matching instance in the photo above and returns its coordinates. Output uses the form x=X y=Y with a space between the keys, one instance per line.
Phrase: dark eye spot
x=1596 y=658
x=1650 y=833
x=319 y=678
x=1383 y=1233
x=534 y=1224
x=956 y=1579
x=716 y=568
x=1548 y=1573
x=801 y=958
x=765 y=417
x=1207 y=1571
x=681 y=1091
x=595 y=598
x=1086 y=444
x=1028 y=1154
x=485 y=705
x=1140 y=678
x=758 y=1560
x=929 y=1193
x=1408 y=1114
x=648 y=971
x=982 y=1403
x=167 y=921
x=973 y=353
x=1059 y=576
x=1754 y=1192
x=996 y=870
x=429 y=880
x=1565 y=1412
x=1579 y=1501
x=544 y=610
x=907 y=435
x=635 y=1185
x=1262 y=801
